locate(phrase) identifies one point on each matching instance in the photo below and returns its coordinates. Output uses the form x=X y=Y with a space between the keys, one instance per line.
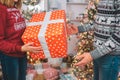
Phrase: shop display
x=43 y=68
x=63 y=69
x=48 y=30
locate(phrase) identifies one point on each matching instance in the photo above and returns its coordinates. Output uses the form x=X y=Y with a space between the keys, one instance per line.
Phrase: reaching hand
x=30 y=48
x=71 y=29
x=85 y=58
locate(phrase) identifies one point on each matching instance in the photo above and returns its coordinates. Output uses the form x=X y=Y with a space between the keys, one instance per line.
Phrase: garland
x=85 y=44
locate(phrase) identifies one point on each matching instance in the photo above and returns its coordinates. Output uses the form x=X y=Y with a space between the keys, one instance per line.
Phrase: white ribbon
x=41 y=35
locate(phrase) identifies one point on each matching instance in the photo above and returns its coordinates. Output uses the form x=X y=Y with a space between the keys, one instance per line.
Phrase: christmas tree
x=86 y=43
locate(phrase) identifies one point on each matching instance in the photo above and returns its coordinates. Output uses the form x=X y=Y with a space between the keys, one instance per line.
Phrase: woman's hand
x=30 y=48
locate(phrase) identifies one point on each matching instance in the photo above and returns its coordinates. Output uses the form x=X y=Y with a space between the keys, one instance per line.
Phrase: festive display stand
x=60 y=66
x=48 y=29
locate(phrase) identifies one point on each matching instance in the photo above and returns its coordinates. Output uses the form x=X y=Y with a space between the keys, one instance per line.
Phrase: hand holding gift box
x=47 y=29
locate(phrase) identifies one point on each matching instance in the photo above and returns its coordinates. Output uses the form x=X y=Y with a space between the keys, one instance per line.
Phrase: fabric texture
x=12 y=26
x=106 y=68
x=106 y=29
x=13 y=68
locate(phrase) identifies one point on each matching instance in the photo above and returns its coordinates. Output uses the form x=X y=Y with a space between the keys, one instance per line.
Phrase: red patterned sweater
x=12 y=26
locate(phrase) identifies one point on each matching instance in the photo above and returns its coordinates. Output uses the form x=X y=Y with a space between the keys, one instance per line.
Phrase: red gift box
x=47 y=29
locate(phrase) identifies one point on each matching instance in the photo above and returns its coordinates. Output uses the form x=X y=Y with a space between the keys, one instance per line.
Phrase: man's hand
x=71 y=29
x=85 y=58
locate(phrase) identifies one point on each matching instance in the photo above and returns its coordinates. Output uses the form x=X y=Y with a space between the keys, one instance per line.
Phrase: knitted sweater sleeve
x=111 y=45
x=86 y=27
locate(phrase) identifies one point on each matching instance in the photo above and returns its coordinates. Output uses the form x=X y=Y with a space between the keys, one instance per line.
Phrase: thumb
x=80 y=63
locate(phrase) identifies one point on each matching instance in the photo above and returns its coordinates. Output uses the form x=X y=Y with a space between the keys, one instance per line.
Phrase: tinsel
x=30 y=60
x=85 y=45
x=31 y=2
x=91 y=10
x=35 y=61
x=32 y=6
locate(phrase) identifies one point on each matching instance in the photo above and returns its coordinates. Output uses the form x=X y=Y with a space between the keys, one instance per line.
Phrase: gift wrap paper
x=67 y=77
x=48 y=30
x=50 y=73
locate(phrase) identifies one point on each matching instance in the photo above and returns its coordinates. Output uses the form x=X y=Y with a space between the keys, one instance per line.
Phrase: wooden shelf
x=73 y=3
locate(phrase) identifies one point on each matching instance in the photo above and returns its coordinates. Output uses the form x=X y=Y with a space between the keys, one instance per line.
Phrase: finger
x=30 y=44
x=37 y=51
x=79 y=57
x=81 y=63
x=36 y=48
